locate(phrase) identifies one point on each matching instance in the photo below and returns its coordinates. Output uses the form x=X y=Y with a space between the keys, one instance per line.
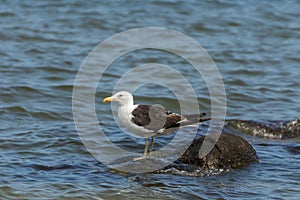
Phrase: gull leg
x=152 y=145
x=146 y=147
x=145 y=151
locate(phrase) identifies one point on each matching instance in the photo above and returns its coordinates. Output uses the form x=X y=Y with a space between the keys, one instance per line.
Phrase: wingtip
x=204 y=119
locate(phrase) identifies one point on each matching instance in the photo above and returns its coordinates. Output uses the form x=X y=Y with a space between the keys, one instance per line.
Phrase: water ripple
x=254 y=44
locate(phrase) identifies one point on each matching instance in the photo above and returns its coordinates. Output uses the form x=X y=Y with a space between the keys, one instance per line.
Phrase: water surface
x=254 y=44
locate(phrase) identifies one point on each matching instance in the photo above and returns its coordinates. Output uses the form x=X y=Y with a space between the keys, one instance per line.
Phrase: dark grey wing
x=175 y=120
x=158 y=119
x=154 y=117
x=193 y=119
x=141 y=115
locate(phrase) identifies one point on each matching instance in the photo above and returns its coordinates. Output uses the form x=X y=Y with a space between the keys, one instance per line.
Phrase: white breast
x=125 y=116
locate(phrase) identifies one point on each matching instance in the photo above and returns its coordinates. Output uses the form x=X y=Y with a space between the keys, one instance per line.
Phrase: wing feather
x=158 y=119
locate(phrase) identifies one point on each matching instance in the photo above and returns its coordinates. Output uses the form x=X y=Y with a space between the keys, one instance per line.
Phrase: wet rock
x=230 y=151
x=268 y=129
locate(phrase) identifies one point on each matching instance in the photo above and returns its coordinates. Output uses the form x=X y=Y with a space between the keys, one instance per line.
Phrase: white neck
x=124 y=113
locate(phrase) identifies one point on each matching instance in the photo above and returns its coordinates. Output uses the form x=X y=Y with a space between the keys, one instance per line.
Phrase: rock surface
x=230 y=151
x=268 y=129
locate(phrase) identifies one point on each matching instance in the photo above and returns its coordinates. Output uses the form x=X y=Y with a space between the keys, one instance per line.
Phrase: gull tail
x=194 y=119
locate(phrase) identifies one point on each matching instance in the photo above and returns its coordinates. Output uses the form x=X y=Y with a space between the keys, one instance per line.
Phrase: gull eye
x=120 y=95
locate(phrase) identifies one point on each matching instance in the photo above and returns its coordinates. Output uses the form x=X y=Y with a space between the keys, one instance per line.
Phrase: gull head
x=122 y=98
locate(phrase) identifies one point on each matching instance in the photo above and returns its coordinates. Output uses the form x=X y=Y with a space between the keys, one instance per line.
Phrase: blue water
x=43 y=43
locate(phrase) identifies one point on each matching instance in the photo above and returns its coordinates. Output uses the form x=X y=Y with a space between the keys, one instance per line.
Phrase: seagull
x=149 y=120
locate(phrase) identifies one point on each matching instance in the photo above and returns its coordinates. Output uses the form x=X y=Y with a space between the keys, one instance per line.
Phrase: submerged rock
x=230 y=151
x=268 y=129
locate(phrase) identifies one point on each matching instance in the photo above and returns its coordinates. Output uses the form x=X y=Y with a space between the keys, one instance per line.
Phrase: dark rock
x=268 y=129
x=230 y=151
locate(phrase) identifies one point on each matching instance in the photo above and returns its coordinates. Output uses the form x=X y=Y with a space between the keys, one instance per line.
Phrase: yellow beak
x=107 y=99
